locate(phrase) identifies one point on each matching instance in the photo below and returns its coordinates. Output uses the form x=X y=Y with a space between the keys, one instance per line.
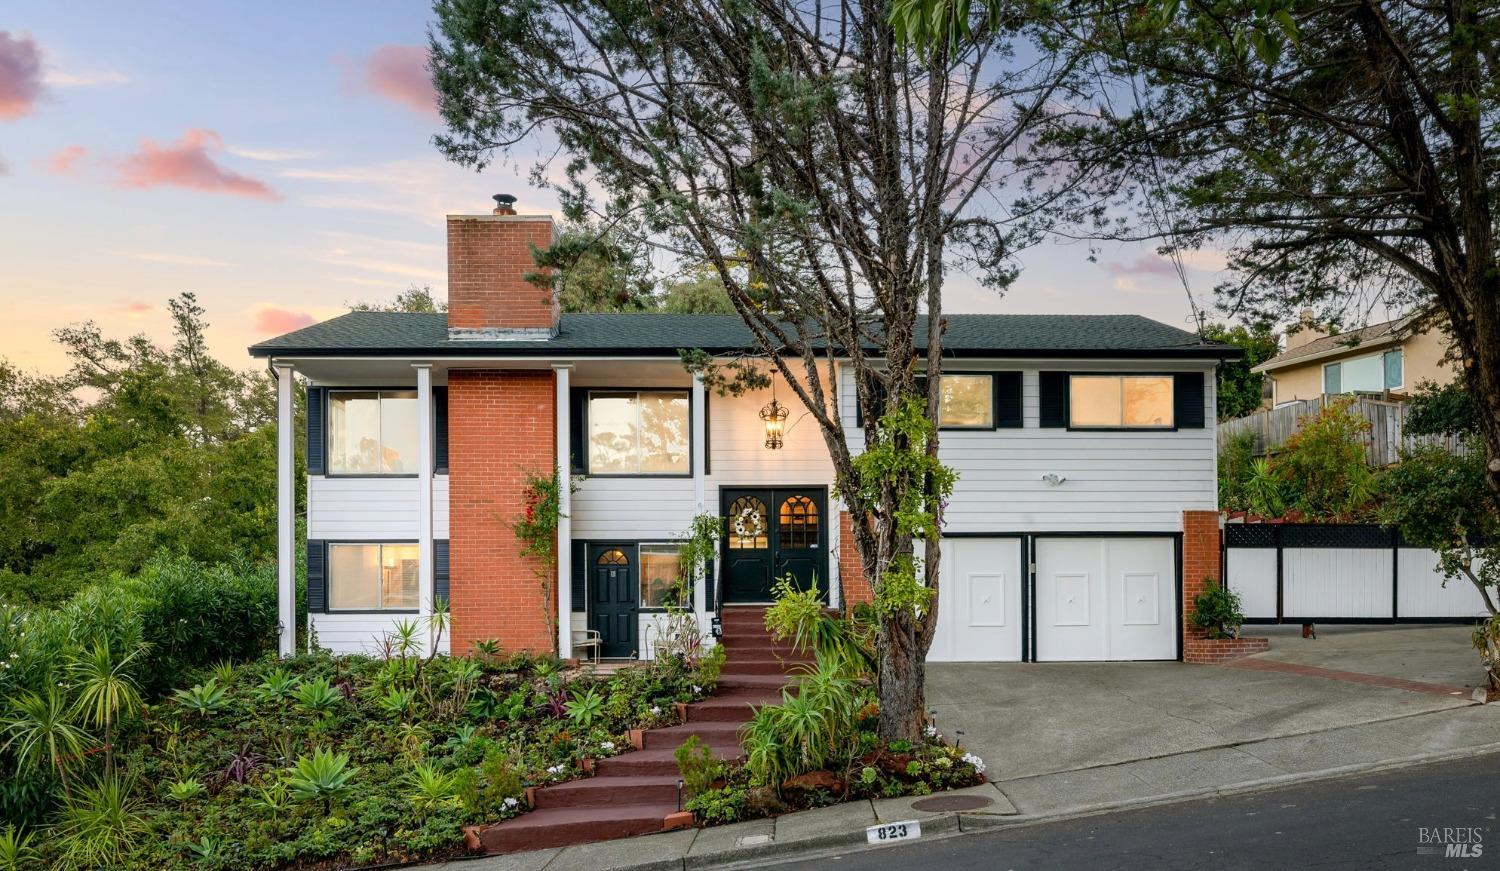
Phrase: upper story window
x=1370 y=373
x=1120 y=401
x=372 y=432
x=639 y=432
x=967 y=402
x=372 y=577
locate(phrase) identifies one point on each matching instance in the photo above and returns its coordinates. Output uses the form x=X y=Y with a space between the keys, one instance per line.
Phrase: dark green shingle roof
x=969 y=335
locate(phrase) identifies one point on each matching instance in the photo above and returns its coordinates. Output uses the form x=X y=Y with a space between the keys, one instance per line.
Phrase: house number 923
x=888 y=832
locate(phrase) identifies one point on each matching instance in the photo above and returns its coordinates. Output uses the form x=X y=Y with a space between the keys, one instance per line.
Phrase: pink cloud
x=64 y=161
x=397 y=73
x=20 y=75
x=135 y=307
x=280 y=320
x=188 y=163
x=1146 y=264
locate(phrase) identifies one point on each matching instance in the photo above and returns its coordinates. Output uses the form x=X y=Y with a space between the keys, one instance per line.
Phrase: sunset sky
x=276 y=159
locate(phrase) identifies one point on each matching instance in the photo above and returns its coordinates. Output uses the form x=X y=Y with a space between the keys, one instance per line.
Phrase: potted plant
x=1217 y=611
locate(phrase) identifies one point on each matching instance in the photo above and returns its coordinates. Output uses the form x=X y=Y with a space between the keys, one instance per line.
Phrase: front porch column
x=424 y=498
x=700 y=466
x=564 y=514
x=286 y=512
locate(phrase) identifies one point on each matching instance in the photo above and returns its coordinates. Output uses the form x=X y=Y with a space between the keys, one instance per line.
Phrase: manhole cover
x=939 y=803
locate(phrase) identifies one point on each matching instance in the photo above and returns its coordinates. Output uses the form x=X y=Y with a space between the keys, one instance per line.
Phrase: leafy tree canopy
x=1240 y=390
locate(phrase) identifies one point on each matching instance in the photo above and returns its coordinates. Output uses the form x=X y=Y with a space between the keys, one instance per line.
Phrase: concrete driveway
x=1027 y=719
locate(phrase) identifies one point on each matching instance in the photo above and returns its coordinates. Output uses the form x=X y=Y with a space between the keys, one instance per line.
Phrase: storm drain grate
x=942 y=803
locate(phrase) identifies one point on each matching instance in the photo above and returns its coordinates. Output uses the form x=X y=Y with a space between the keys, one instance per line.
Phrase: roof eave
x=1272 y=365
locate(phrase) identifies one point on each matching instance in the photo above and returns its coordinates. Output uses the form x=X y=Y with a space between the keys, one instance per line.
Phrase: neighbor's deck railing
x=1385 y=442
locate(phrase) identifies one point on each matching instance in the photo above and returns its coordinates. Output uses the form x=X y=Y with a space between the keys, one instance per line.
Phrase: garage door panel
x=979 y=601
x=1105 y=598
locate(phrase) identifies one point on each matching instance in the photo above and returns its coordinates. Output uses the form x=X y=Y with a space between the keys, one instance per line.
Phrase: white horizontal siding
x=738 y=453
x=1113 y=482
x=632 y=509
x=372 y=508
x=360 y=633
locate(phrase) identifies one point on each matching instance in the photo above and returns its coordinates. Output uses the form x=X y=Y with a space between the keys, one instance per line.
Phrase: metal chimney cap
x=505 y=201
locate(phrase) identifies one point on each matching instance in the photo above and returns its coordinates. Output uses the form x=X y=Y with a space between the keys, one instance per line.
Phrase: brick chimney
x=489 y=297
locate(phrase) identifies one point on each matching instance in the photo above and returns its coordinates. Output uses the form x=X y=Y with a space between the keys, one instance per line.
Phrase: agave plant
x=41 y=731
x=432 y=788
x=396 y=703
x=203 y=699
x=318 y=696
x=16 y=850
x=278 y=685
x=487 y=649
x=183 y=791
x=274 y=798
x=98 y=825
x=208 y=850
x=322 y=777
x=224 y=671
x=583 y=709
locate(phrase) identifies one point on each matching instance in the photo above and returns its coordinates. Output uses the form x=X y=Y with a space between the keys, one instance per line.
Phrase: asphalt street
x=1370 y=821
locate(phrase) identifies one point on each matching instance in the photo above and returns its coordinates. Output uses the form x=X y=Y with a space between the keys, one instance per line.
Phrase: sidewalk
x=1238 y=767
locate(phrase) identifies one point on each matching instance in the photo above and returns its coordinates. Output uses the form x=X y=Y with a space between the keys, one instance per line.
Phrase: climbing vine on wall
x=536 y=529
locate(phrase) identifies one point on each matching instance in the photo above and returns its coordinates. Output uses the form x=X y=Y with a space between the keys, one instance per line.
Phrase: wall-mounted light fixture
x=774 y=417
x=1053 y=478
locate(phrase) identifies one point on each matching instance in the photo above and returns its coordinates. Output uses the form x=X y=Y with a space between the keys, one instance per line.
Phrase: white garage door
x=1106 y=599
x=979 y=601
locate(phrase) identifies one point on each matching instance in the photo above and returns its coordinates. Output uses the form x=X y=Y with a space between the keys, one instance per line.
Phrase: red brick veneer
x=1202 y=558
x=854 y=589
x=501 y=425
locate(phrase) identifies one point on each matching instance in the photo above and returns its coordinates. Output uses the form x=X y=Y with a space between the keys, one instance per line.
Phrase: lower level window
x=372 y=577
x=659 y=576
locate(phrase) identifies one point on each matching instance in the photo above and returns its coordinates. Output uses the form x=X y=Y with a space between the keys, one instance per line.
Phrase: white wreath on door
x=749 y=524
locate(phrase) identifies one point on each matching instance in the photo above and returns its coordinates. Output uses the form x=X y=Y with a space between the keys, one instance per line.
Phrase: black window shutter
x=317 y=576
x=577 y=404
x=440 y=429
x=708 y=445
x=1187 y=400
x=579 y=579
x=316 y=405
x=1052 y=390
x=440 y=570
x=709 y=585
x=877 y=398
x=1009 y=394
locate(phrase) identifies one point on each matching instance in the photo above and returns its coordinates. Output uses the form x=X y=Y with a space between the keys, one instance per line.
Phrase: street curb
x=959 y=823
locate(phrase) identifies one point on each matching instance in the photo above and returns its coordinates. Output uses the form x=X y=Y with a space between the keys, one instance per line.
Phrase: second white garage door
x=979 y=601
x=1106 y=599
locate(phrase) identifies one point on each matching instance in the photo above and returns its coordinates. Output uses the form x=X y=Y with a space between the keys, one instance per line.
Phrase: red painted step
x=614 y=790
x=752 y=681
x=735 y=707
x=714 y=734
x=746 y=665
x=652 y=762
x=560 y=827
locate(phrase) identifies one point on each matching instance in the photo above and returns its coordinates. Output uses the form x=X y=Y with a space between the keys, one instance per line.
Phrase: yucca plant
x=17 y=852
x=273 y=797
x=98 y=825
x=432 y=788
x=411 y=737
x=278 y=685
x=203 y=699
x=318 y=696
x=183 y=791
x=224 y=671
x=106 y=692
x=487 y=649
x=322 y=777
x=40 y=731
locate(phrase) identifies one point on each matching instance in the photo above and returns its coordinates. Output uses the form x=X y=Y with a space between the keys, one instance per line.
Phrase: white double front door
x=1105 y=599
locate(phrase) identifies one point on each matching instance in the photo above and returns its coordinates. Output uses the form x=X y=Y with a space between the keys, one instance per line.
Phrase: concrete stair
x=635 y=792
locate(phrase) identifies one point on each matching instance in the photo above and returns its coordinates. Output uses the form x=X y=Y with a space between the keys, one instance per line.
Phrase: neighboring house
x=1394 y=356
x=1084 y=446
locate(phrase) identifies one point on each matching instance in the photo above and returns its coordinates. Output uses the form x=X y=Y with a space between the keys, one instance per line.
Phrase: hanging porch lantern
x=774 y=416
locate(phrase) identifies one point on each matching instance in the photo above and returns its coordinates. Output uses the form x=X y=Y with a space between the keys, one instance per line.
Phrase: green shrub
x=723 y=805
x=1234 y=469
x=711 y=665
x=1324 y=466
x=698 y=766
x=1217 y=610
x=100 y=823
x=16 y=850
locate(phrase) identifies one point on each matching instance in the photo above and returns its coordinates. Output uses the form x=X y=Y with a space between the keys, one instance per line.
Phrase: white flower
x=556 y=769
x=697 y=690
x=655 y=710
x=975 y=761
x=931 y=732
x=606 y=745
x=510 y=802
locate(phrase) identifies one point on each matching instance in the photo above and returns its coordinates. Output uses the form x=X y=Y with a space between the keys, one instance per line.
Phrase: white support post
x=286 y=512
x=425 y=434
x=700 y=466
x=561 y=373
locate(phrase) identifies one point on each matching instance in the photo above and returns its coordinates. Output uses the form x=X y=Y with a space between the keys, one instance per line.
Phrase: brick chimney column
x=489 y=259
